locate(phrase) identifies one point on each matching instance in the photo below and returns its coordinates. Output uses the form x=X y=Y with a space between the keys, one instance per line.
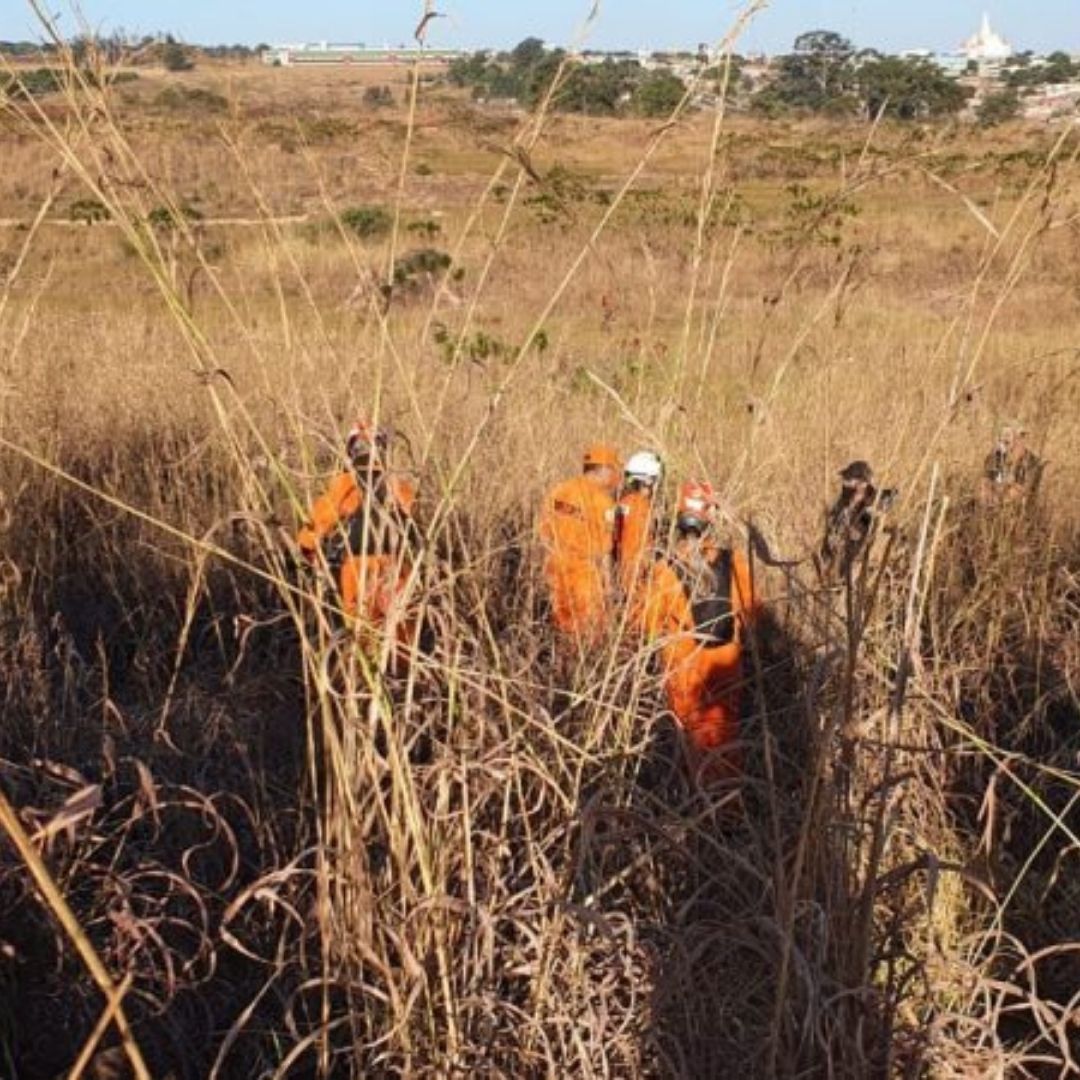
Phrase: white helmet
x=644 y=466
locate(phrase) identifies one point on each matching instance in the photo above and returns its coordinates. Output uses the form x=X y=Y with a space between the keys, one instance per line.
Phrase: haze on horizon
x=629 y=24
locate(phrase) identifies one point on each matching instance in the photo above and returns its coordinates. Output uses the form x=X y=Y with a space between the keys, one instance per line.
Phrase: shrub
x=167 y=217
x=89 y=211
x=427 y=228
x=367 y=222
x=324 y=129
x=659 y=94
x=175 y=57
x=998 y=108
x=424 y=261
x=176 y=98
x=31 y=84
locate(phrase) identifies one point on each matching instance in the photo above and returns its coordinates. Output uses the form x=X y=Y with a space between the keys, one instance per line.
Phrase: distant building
x=987 y=45
x=329 y=53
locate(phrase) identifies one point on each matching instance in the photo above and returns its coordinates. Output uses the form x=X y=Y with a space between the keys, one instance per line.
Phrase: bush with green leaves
x=480 y=347
x=88 y=211
x=908 y=88
x=608 y=88
x=195 y=98
x=998 y=108
x=367 y=222
x=31 y=84
x=175 y=57
x=1024 y=72
x=658 y=94
x=426 y=228
x=424 y=262
x=166 y=218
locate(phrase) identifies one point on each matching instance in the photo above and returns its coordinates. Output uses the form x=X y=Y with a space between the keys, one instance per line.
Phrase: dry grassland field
x=283 y=857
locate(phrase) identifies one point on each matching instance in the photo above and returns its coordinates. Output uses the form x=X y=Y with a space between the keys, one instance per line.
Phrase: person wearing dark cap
x=850 y=523
x=1011 y=472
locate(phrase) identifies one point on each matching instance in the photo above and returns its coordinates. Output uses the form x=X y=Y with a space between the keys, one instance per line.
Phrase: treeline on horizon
x=824 y=73
x=120 y=47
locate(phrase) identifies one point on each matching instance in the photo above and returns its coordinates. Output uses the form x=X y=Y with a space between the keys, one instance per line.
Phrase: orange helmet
x=599 y=455
x=365 y=438
x=696 y=508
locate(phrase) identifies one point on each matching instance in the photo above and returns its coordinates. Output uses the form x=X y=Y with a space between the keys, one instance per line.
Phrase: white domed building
x=986 y=46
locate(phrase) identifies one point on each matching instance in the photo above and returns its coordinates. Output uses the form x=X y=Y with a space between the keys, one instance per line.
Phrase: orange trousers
x=372 y=590
x=704 y=691
x=578 y=589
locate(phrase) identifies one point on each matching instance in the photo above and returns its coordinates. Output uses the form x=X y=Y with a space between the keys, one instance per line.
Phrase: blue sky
x=888 y=24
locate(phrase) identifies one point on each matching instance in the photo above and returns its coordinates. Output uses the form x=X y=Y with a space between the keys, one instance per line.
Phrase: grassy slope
x=521 y=892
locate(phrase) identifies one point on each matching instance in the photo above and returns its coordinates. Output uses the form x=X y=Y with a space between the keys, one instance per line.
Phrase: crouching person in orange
x=699 y=607
x=577 y=531
x=363 y=529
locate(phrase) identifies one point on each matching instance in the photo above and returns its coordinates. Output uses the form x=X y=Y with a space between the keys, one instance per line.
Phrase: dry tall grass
x=287 y=863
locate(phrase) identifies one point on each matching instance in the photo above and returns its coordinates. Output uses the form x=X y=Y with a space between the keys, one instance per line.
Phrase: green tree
x=818 y=75
x=998 y=108
x=469 y=70
x=598 y=89
x=713 y=78
x=533 y=82
x=908 y=89
x=1058 y=67
x=527 y=54
x=658 y=94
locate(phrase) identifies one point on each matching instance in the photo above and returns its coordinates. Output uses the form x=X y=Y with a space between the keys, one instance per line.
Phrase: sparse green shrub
x=166 y=218
x=481 y=346
x=429 y=262
x=561 y=191
x=89 y=211
x=31 y=84
x=819 y=219
x=422 y=168
x=195 y=98
x=320 y=130
x=175 y=57
x=428 y=229
x=367 y=222
x=998 y=108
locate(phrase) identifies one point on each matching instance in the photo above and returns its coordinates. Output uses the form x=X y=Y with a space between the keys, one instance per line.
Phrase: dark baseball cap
x=856 y=472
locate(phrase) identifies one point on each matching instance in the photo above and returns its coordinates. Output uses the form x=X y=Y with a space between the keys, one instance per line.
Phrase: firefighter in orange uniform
x=700 y=604
x=577 y=531
x=635 y=527
x=363 y=528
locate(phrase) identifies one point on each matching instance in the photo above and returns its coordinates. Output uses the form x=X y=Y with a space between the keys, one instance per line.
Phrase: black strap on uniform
x=378 y=527
x=714 y=612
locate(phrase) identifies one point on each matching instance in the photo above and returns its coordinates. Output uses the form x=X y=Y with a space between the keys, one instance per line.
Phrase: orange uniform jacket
x=369 y=584
x=577 y=530
x=635 y=527
x=703 y=682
